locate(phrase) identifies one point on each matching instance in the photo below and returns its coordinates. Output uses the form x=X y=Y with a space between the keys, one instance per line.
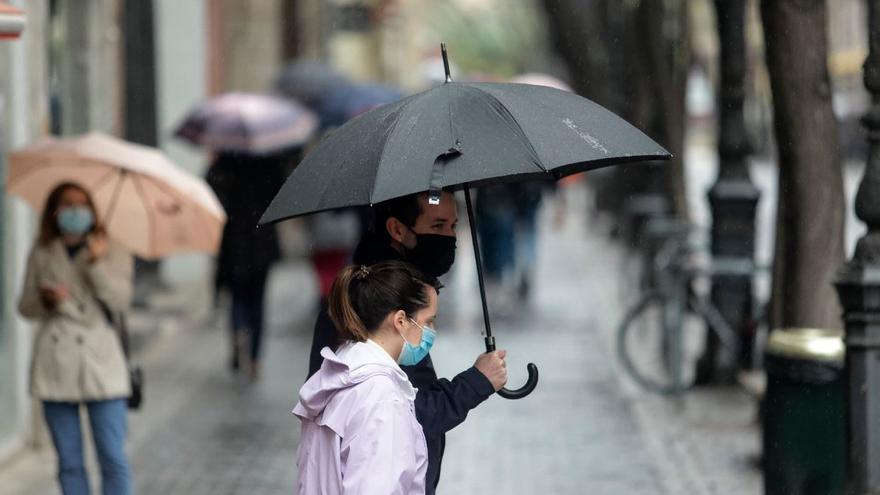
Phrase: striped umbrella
x=248 y=123
x=12 y=21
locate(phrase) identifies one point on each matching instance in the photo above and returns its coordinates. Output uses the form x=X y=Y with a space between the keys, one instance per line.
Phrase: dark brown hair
x=407 y=209
x=363 y=296
x=49 y=224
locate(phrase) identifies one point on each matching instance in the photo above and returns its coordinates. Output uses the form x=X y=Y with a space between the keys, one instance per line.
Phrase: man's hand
x=493 y=367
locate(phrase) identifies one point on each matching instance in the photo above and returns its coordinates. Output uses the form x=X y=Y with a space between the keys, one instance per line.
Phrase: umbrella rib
x=106 y=178
x=406 y=103
x=151 y=220
x=449 y=112
x=170 y=192
x=111 y=208
x=511 y=122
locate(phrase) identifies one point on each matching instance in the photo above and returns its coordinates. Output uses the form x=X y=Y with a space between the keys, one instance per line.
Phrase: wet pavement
x=586 y=428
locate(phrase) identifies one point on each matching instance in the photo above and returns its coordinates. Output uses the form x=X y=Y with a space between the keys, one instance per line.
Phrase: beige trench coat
x=77 y=352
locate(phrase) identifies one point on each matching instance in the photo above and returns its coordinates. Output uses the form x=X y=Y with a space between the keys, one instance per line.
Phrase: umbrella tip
x=445 y=62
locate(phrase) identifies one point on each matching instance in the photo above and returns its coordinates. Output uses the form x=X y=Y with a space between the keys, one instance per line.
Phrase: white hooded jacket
x=359 y=429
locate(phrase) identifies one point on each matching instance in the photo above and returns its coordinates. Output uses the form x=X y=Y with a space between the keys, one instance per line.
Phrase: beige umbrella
x=146 y=202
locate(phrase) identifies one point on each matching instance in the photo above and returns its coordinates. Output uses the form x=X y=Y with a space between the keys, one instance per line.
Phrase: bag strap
x=118 y=321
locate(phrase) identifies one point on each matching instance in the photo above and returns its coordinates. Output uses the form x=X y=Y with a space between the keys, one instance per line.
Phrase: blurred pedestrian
x=528 y=197
x=496 y=213
x=76 y=281
x=411 y=229
x=245 y=184
x=507 y=226
x=359 y=428
x=333 y=236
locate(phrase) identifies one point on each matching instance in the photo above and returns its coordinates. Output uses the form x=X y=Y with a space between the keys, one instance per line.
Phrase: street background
x=135 y=68
x=584 y=430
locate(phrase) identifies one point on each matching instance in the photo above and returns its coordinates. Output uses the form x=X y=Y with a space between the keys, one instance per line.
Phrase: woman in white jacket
x=359 y=429
x=76 y=282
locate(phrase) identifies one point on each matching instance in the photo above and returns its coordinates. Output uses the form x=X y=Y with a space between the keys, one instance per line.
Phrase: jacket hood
x=353 y=363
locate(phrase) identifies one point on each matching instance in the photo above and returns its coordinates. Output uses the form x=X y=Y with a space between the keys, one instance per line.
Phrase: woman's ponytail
x=342 y=312
x=363 y=296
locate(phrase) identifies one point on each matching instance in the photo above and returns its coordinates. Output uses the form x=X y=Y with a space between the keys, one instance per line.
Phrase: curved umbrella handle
x=526 y=389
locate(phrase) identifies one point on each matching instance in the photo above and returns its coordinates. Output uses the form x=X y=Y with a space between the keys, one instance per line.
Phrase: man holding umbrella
x=455 y=135
x=411 y=229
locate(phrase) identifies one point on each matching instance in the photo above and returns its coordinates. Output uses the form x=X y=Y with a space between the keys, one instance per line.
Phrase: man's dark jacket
x=441 y=404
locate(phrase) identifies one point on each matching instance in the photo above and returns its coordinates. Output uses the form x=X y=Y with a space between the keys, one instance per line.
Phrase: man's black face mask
x=433 y=254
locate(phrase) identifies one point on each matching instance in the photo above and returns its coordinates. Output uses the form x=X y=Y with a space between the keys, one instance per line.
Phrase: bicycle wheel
x=656 y=345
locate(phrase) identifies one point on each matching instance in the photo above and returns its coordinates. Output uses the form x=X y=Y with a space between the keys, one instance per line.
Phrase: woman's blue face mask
x=411 y=355
x=75 y=220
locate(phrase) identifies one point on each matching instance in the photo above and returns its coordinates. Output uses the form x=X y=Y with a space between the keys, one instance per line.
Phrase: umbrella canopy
x=456 y=134
x=340 y=104
x=460 y=134
x=248 y=123
x=309 y=80
x=146 y=202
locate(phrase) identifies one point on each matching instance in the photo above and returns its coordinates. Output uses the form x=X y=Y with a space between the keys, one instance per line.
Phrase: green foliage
x=503 y=39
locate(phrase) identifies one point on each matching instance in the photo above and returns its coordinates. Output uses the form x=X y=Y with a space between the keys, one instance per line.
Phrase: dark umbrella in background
x=340 y=104
x=331 y=95
x=251 y=123
x=459 y=135
x=309 y=80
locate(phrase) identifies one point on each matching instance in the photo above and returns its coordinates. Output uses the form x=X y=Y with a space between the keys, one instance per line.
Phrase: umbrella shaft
x=111 y=208
x=472 y=221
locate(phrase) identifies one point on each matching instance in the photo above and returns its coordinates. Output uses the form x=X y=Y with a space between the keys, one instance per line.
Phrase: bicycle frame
x=670 y=286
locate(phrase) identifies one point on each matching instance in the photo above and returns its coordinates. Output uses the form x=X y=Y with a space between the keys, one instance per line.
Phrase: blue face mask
x=75 y=220
x=411 y=355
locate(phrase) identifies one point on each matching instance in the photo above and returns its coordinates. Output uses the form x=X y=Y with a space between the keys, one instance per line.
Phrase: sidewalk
x=585 y=429
x=203 y=430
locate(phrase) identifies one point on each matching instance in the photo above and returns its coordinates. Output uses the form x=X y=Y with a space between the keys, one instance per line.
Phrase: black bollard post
x=858 y=287
x=734 y=199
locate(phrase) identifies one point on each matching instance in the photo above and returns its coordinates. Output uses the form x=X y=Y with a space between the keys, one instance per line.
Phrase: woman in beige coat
x=76 y=282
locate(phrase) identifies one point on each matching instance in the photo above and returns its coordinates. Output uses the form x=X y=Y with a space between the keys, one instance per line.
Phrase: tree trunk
x=626 y=59
x=579 y=33
x=664 y=30
x=290 y=36
x=140 y=73
x=809 y=230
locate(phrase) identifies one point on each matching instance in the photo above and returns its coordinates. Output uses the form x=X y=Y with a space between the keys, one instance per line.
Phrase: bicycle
x=673 y=303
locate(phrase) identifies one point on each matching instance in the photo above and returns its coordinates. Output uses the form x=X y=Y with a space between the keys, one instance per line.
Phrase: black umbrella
x=460 y=135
